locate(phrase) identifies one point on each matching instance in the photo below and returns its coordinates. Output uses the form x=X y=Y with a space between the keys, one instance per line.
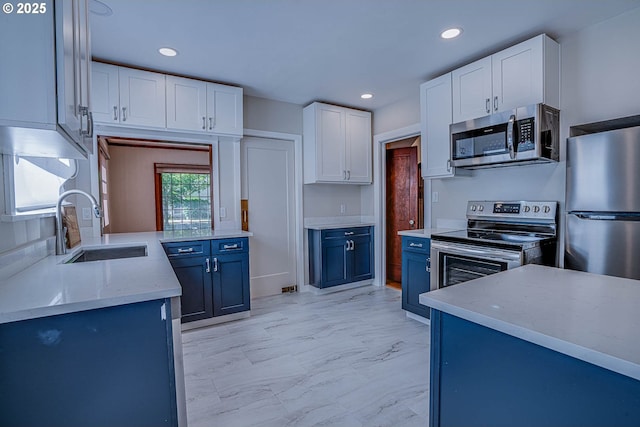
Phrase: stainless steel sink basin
x=105 y=253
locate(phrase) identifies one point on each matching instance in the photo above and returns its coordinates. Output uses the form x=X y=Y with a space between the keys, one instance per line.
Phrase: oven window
x=457 y=269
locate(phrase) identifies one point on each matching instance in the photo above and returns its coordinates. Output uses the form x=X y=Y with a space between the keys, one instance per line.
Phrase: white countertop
x=52 y=287
x=590 y=317
x=333 y=226
x=423 y=232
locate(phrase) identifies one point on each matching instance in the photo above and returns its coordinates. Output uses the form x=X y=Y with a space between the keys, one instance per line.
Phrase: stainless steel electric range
x=500 y=235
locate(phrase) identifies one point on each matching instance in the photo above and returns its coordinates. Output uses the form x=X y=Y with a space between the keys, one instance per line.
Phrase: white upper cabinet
x=194 y=105
x=127 y=96
x=435 y=118
x=46 y=108
x=337 y=145
x=224 y=109
x=142 y=98
x=105 y=93
x=73 y=62
x=472 y=90
x=524 y=74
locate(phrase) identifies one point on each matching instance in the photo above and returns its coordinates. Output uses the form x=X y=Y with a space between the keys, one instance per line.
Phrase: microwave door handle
x=510 y=123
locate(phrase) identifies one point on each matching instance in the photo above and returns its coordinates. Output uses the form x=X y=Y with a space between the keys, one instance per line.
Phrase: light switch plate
x=223 y=212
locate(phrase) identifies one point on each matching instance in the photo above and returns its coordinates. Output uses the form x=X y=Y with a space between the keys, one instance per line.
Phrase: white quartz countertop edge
x=596 y=356
x=333 y=226
x=424 y=233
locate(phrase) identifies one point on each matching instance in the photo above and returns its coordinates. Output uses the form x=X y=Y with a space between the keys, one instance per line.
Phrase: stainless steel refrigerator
x=602 y=233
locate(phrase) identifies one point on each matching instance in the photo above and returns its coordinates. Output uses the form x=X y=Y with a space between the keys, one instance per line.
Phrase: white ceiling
x=300 y=51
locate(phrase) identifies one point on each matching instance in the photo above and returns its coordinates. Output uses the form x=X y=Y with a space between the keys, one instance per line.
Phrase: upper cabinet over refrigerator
x=46 y=59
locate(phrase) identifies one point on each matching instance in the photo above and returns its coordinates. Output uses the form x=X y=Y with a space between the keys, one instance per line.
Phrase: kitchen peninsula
x=536 y=346
x=96 y=340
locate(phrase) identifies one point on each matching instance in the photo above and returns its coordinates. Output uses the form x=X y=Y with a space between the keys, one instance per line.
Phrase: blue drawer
x=346 y=232
x=416 y=244
x=223 y=246
x=197 y=247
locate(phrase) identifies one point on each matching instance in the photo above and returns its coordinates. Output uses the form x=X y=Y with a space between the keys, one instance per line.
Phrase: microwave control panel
x=525 y=138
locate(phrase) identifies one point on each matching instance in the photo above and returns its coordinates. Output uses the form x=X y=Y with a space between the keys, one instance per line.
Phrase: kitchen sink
x=106 y=253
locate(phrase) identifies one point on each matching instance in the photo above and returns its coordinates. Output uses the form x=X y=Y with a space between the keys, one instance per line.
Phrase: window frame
x=160 y=168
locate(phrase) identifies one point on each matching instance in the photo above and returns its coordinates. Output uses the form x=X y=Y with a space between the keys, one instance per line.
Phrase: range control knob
x=536 y=209
x=547 y=209
x=527 y=208
x=480 y=208
x=473 y=208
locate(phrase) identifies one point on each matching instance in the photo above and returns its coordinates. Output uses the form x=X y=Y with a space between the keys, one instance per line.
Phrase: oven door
x=453 y=263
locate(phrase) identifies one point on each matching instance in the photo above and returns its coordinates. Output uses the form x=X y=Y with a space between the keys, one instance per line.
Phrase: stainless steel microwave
x=525 y=135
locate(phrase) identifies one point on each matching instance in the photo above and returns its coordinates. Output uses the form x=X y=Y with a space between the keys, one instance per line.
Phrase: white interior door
x=268 y=184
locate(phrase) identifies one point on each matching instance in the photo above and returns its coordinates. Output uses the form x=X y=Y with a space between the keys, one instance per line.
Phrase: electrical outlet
x=223 y=212
x=86 y=214
x=343 y=209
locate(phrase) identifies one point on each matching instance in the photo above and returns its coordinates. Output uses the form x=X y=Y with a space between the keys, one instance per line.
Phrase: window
x=33 y=183
x=185 y=197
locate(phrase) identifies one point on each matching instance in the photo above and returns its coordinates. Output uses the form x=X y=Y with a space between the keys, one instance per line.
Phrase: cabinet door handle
x=344 y=175
x=115 y=113
x=348 y=175
x=90 y=125
x=210 y=123
x=124 y=114
x=185 y=251
x=234 y=246
x=208 y=264
x=488 y=105
x=449 y=165
x=215 y=264
x=204 y=123
x=352 y=244
x=415 y=245
x=495 y=103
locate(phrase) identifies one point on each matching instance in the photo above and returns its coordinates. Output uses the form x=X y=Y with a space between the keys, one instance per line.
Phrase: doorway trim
x=297 y=193
x=379 y=194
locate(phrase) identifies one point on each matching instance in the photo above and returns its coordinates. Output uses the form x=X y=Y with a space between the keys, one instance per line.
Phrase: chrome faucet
x=61 y=247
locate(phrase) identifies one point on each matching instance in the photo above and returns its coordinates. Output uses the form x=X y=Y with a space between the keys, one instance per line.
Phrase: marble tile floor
x=346 y=359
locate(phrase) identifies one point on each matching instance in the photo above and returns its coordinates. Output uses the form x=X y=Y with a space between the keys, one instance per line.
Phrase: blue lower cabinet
x=416 y=271
x=214 y=275
x=340 y=256
x=231 y=284
x=105 y=367
x=483 y=377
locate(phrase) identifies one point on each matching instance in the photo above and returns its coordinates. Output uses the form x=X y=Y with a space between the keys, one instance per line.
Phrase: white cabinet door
x=435 y=118
x=472 y=90
x=518 y=75
x=142 y=98
x=105 y=93
x=330 y=144
x=358 y=147
x=186 y=104
x=72 y=63
x=224 y=109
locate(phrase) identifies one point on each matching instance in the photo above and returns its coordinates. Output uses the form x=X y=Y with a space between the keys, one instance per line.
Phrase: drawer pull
x=349 y=233
x=185 y=251
x=234 y=246
x=415 y=245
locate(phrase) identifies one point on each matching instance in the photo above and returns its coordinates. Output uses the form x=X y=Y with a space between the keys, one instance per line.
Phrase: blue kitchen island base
x=112 y=366
x=483 y=377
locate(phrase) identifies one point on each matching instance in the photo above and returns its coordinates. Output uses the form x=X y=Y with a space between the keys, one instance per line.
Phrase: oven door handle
x=488 y=253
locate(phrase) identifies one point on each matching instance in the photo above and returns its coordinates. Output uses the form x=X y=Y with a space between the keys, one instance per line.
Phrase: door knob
x=411 y=222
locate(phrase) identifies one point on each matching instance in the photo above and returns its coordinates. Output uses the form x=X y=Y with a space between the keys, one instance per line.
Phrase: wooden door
x=401 y=202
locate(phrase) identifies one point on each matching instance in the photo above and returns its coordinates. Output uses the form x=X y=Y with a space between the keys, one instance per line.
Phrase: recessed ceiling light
x=451 y=33
x=167 y=51
x=366 y=96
